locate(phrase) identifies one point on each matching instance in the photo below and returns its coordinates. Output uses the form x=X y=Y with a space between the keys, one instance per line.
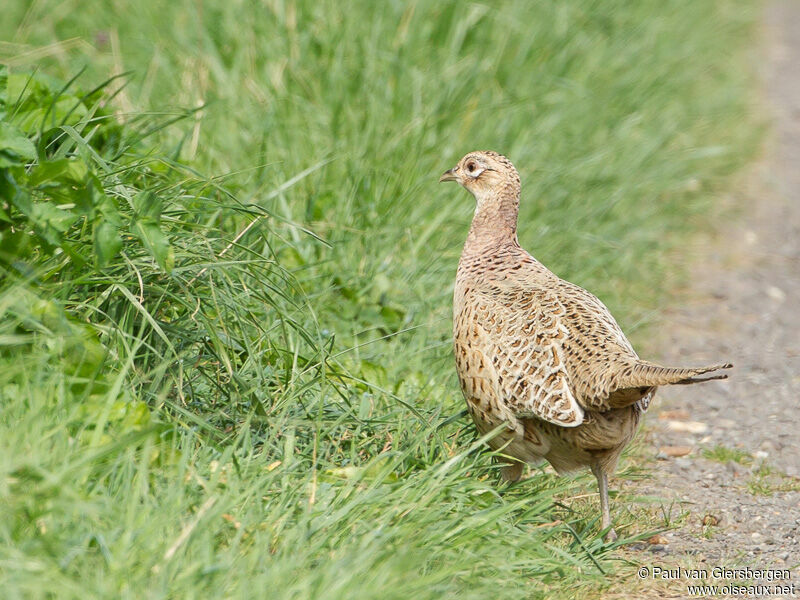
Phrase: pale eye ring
x=471 y=167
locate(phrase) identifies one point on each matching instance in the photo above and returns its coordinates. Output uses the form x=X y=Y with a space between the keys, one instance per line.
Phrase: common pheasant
x=540 y=356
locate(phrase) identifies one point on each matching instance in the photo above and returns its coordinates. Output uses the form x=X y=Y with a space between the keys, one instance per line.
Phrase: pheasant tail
x=644 y=374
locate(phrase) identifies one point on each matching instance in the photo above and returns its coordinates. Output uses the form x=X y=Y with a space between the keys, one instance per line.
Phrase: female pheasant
x=537 y=354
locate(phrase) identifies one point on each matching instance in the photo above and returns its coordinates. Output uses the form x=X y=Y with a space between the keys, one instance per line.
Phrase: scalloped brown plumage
x=537 y=354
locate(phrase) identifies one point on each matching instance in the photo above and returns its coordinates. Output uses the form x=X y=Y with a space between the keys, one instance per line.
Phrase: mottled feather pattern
x=524 y=348
x=555 y=348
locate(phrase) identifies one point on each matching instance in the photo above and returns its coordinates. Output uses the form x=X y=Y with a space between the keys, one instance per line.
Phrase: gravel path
x=743 y=306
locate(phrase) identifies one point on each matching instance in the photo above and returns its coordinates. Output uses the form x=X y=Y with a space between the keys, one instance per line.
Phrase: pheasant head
x=494 y=182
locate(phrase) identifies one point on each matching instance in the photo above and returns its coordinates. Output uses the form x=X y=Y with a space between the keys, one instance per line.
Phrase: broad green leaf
x=72 y=170
x=8 y=183
x=8 y=160
x=107 y=243
x=147 y=206
x=14 y=143
x=58 y=218
x=151 y=236
x=106 y=206
x=14 y=245
x=91 y=196
x=14 y=191
x=50 y=222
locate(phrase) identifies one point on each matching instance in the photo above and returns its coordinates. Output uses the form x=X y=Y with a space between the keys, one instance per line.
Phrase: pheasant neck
x=495 y=220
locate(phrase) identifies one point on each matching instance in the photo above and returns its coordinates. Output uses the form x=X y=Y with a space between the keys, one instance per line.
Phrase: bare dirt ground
x=729 y=452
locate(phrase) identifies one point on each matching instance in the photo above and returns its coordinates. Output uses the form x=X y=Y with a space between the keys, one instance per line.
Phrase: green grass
x=764 y=479
x=760 y=483
x=190 y=412
x=725 y=454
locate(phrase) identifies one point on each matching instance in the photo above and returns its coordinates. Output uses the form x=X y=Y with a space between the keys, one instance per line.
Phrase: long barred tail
x=643 y=374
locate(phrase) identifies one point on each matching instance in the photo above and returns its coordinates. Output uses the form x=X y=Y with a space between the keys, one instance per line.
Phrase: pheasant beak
x=449 y=175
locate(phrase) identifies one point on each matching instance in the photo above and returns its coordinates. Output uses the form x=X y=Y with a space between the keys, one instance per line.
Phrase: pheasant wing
x=525 y=335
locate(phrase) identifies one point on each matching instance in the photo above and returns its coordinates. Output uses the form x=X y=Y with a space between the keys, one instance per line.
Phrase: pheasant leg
x=602 y=484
